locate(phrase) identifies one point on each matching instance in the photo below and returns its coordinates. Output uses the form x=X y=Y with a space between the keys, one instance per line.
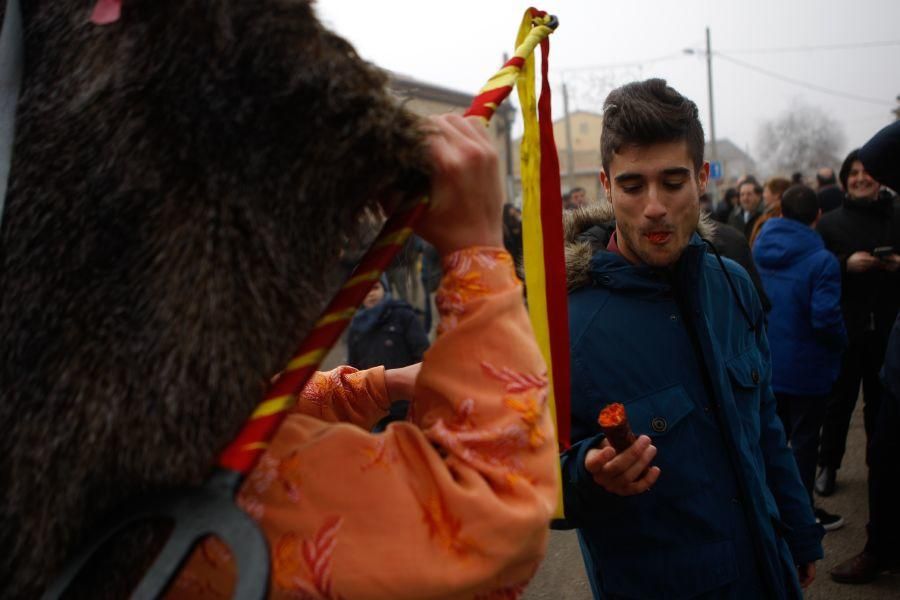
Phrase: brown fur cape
x=182 y=181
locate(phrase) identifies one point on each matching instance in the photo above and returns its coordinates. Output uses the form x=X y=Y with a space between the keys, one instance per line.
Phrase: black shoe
x=828 y=521
x=862 y=568
x=825 y=481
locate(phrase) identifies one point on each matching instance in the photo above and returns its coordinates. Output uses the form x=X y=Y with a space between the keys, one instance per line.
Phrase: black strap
x=11 y=59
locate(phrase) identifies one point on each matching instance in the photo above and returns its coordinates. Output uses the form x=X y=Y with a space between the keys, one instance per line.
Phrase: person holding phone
x=881 y=157
x=864 y=234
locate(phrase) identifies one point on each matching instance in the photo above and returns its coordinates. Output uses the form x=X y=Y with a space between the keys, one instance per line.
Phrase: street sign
x=715 y=170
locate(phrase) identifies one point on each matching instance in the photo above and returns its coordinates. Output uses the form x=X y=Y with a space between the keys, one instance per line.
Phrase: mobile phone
x=882 y=252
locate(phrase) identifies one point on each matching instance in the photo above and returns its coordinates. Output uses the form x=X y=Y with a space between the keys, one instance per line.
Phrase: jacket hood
x=587 y=230
x=783 y=242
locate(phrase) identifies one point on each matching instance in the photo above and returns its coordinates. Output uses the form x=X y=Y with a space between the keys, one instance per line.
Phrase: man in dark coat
x=386 y=331
x=707 y=502
x=750 y=206
x=830 y=196
x=864 y=234
x=723 y=211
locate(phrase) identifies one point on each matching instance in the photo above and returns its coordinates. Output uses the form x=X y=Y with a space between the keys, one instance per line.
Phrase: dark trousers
x=884 y=483
x=862 y=361
x=802 y=417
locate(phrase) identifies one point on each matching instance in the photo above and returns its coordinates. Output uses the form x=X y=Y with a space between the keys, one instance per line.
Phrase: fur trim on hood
x=588 y=229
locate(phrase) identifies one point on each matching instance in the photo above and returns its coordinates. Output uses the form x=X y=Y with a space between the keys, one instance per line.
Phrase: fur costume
x=182 y=181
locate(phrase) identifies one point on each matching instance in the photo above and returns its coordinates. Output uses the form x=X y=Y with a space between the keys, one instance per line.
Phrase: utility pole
x=713 y=151
x=570 y=153
x=507 y=134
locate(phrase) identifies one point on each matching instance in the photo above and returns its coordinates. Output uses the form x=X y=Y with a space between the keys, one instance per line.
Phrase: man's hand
x=626 y=474
x=466 y=190
x=807 y=574
x=860 y=262
x=401 y=383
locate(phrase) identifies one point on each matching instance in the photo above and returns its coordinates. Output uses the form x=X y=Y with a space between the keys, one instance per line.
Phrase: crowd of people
x=830 y=264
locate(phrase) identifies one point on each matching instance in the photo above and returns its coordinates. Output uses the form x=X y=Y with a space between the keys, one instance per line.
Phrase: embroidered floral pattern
x=515 y=381
x=289 y=475
x=486 y=448
x=340 y=385
x=443 y=526
x=464 y=280
x=527 y=396
x=380 y=455
x=318 y=391
x=303 y=567
x=464 y=413
x=251 y=504
x=262 y=476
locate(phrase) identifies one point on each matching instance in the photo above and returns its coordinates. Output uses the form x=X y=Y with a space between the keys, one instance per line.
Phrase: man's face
x=824 y=174
x=579 y=198
x=860 y=185
x=749 y=199
x=655 y=194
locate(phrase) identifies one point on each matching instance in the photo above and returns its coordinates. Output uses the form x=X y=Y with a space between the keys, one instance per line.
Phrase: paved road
x=562 y=577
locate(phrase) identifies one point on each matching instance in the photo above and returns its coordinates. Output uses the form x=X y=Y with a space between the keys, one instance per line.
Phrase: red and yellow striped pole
x=249 y=445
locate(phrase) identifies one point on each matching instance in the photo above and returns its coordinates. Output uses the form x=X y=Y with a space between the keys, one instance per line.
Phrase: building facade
x=428 y=99
x=579 y=160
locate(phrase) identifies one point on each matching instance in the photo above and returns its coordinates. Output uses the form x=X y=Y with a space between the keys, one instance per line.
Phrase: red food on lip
x=658 y=236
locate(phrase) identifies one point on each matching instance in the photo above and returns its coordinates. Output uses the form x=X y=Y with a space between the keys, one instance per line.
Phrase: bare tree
x=802 y=138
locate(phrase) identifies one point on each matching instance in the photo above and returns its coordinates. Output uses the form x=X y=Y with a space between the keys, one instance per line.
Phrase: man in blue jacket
x=806 y=328
x=707 y=503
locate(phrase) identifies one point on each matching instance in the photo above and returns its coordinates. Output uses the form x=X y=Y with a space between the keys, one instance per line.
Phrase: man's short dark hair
x=846 y=166
x=830 y=179
x=800 y=203
x=731 y=196
x=577 y=189
x=649 y=112
x=757 y=187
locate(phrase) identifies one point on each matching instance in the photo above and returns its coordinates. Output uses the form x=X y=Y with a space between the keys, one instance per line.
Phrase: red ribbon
x=554 y=258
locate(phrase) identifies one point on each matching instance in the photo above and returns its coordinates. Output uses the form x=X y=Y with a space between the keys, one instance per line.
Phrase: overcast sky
x=459 y=43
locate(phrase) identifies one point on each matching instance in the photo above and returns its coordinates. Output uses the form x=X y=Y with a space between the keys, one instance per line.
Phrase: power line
x=851 y=45
x=635 y=63
x=806 y=84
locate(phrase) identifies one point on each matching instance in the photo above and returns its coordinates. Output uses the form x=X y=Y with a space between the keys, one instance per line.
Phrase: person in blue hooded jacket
x=806 y=327
x=708 y=502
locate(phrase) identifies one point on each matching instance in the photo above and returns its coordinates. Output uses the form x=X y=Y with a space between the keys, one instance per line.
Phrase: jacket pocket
x=669 y=573
x=746 y=372
x=665 y=416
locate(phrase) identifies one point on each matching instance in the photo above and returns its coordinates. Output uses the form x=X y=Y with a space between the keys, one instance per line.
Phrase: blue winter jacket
x=687 y=354
x=806 y=327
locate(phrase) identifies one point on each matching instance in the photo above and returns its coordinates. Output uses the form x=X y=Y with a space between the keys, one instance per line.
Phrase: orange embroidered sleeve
x=345 y=394
x=454 y=503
